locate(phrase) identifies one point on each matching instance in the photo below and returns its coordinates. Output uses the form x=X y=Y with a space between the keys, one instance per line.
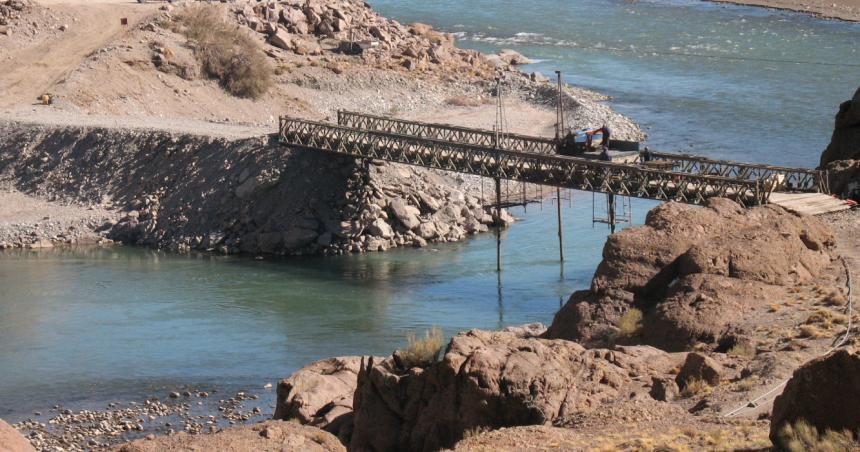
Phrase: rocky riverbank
x=183 y=192
x=848 y=10
x=731 y=323
x=200 y=190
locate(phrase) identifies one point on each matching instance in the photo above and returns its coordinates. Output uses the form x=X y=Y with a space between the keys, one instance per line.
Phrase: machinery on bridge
x=565 y=161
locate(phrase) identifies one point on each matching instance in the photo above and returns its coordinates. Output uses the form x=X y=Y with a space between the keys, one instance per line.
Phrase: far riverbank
x=847 y=10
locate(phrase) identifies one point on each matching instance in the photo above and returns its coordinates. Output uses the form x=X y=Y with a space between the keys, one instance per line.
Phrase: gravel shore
x=847 y=10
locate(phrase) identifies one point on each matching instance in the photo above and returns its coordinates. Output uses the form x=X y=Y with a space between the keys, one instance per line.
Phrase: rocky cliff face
x=185 y=192
x=489 y=380
x=694 y=272
x=320 y=394
x=842 y=156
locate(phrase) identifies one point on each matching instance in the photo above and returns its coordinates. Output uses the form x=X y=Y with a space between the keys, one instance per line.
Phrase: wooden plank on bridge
x=809 y=203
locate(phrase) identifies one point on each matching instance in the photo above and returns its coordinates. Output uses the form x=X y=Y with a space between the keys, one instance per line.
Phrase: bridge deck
x=795 y=179
x=561 y=171
x=809 y=203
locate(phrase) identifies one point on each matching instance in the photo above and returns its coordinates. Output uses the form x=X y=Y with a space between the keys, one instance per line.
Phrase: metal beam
x=557 y=171
x=477 y=137
x=798 y=179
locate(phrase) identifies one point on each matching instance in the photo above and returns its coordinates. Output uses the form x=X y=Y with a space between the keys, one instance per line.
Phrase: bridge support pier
x=560 y=233
x=498 y=224
x=610 y=210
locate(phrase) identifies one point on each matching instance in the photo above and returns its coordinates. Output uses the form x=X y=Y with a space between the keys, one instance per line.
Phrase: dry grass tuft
x=743 y=350
x=802 y=436
x=630 y=323
x=695 y=386
x=421 y=352
x=835 y=298
x=226 y=52
x=826 y=318
x=475 y=431
x=811 y=332
x=746 y=384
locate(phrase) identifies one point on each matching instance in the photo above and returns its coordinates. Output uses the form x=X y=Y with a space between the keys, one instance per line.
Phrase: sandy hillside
x=100 y=72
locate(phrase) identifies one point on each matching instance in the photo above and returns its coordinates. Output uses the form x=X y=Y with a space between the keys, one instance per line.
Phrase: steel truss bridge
x=689 y=179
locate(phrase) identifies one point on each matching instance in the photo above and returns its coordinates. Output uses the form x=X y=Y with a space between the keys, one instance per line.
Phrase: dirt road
x=37 y=68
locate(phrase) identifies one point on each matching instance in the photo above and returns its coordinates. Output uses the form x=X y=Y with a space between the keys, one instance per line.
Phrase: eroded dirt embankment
x=188 y=192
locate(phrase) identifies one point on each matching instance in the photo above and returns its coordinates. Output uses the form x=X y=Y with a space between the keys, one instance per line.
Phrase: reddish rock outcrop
x=842 y=156
x=844 y=178
x=824 y=392
x=11 y=440
x=684 y=268
x=492 y=380
x=699 y=367
x=320 y=394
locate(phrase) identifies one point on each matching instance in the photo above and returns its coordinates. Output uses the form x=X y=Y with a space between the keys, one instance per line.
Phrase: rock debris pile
x=184 y=192
x=11 y=12
x=26 y=20
x=306 y=27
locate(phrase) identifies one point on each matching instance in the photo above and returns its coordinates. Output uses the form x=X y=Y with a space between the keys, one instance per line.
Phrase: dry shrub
x=835 y=298
x=475 y=431
x=696 y=386
x=743 y=350
x=746 y=384
x=630 y=323
x=826 y=318
x=226 y=52
x=421 y=352
x=811 y=332
x=802 y=436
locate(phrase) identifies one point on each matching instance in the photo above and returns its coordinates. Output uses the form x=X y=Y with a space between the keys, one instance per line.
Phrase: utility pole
x=559 y=130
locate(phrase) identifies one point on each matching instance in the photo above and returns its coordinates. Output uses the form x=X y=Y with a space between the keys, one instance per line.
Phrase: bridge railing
x=566 y=172
x=478 y=137
x=795 y=179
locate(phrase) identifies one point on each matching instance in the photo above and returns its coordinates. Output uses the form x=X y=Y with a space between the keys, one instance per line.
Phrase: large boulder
x=845 y=141
x=404 y=213
x=492 y=380
x=12 y=441
x=844 y=178
x=684 y=268
x=320 y=394
x=699 y=367
x=513 y=57
x=823 y=392
x=843 y=153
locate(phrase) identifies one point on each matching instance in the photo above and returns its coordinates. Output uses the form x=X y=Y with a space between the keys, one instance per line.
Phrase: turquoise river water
x=84 y=326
